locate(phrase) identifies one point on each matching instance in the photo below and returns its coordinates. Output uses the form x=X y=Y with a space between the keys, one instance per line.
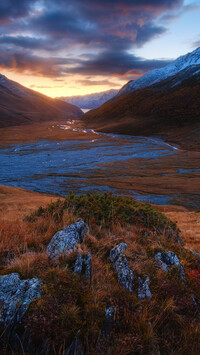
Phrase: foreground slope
x=19 y=105
x=170 y=108
x=123 y=284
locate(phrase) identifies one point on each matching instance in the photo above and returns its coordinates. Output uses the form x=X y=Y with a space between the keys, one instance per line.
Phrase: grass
x=167 y=323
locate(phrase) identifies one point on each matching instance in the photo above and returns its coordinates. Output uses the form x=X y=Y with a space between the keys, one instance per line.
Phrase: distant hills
x=90 y=101
x=164 y=102
x=20 y=105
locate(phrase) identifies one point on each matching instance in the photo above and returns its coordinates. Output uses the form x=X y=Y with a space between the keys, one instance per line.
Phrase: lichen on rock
x=143 y=288
x=168 y=259
x=15 y=297
x=120 y=264
x=64 y=241
x=83 y=265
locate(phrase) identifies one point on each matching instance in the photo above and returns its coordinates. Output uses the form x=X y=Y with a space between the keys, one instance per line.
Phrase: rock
x=83 y=265
x=110 y=314
x=143 y=288
x=64 y=241
x=168 y=259
x=15 y=297
x=120 y=264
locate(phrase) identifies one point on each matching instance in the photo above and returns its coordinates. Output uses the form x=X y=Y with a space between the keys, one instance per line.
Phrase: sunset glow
x=65 y=48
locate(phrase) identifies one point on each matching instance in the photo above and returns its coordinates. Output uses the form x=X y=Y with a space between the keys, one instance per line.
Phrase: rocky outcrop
x=83 y=265
x=15 y=297
x=168 y=259
x=64 y=241
x=120 y=264
x=143 y=288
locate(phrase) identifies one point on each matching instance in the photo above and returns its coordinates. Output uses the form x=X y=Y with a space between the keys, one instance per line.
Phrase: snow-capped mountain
x=189 y=61
x=90 y=101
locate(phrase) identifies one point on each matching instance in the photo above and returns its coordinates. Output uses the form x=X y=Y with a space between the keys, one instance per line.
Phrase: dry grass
x=166 y=324
x=187 y=221
x=16 y=202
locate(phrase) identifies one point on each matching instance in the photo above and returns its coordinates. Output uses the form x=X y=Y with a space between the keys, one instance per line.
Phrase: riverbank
x=41 y=131
x=15 y=203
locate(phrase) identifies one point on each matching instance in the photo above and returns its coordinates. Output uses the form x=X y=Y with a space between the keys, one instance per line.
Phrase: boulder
x=15 y=297
x=143 y=288
x=64 y=241
x=168 y=259
x=83 y=265
x=120 y=264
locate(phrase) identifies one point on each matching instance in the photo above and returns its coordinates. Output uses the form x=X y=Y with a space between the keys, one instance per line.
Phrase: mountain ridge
x=168 y=109
x=157 y=75
x=20 y=105
x=90 y=101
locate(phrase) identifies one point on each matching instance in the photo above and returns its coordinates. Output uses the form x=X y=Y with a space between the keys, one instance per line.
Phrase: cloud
x=45 y=87
x=56 y=38
x=10 y=9
x=117 y=64
x=196 y=44
x=25 y=61
x=87 y=82
x=172 y=16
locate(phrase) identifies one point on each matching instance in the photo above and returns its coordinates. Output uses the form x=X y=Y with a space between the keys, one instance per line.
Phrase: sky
x=77 y=47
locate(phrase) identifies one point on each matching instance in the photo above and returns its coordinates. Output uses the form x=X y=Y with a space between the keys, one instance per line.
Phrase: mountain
x=90 y=101
x=190 y=60
x=20 y=105
x=169 y=108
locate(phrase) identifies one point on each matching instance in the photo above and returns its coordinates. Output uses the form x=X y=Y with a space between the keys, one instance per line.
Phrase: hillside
x=97 y=274
x=90 y=101
x=170 y=109
x=19 y=105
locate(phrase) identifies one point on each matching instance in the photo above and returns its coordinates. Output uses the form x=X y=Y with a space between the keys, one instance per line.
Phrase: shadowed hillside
x=162 y=109
x=19 y=105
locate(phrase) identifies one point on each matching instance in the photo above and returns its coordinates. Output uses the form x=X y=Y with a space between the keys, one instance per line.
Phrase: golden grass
x=187 y=221
x=69 y=305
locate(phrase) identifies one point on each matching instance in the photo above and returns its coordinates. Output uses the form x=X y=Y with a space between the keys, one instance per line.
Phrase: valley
x=57 y=158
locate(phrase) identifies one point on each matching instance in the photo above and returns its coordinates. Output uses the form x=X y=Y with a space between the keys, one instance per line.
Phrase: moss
x=106 y=209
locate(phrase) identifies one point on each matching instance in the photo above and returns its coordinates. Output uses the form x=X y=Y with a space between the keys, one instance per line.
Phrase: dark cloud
x=117 y=64
x=26 y=61
x=10 y=9
x=57 y=38
x=29 y=42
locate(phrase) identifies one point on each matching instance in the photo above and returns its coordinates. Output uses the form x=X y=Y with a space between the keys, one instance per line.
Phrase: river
x=113 y=163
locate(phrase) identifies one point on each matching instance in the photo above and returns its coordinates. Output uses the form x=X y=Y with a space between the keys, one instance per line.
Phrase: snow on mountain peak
x=154 y=76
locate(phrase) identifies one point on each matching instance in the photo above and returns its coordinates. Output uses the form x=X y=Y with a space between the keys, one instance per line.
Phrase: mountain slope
x=170 y=108
x=90 y=101
x=190 y=60
x=19 y=105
